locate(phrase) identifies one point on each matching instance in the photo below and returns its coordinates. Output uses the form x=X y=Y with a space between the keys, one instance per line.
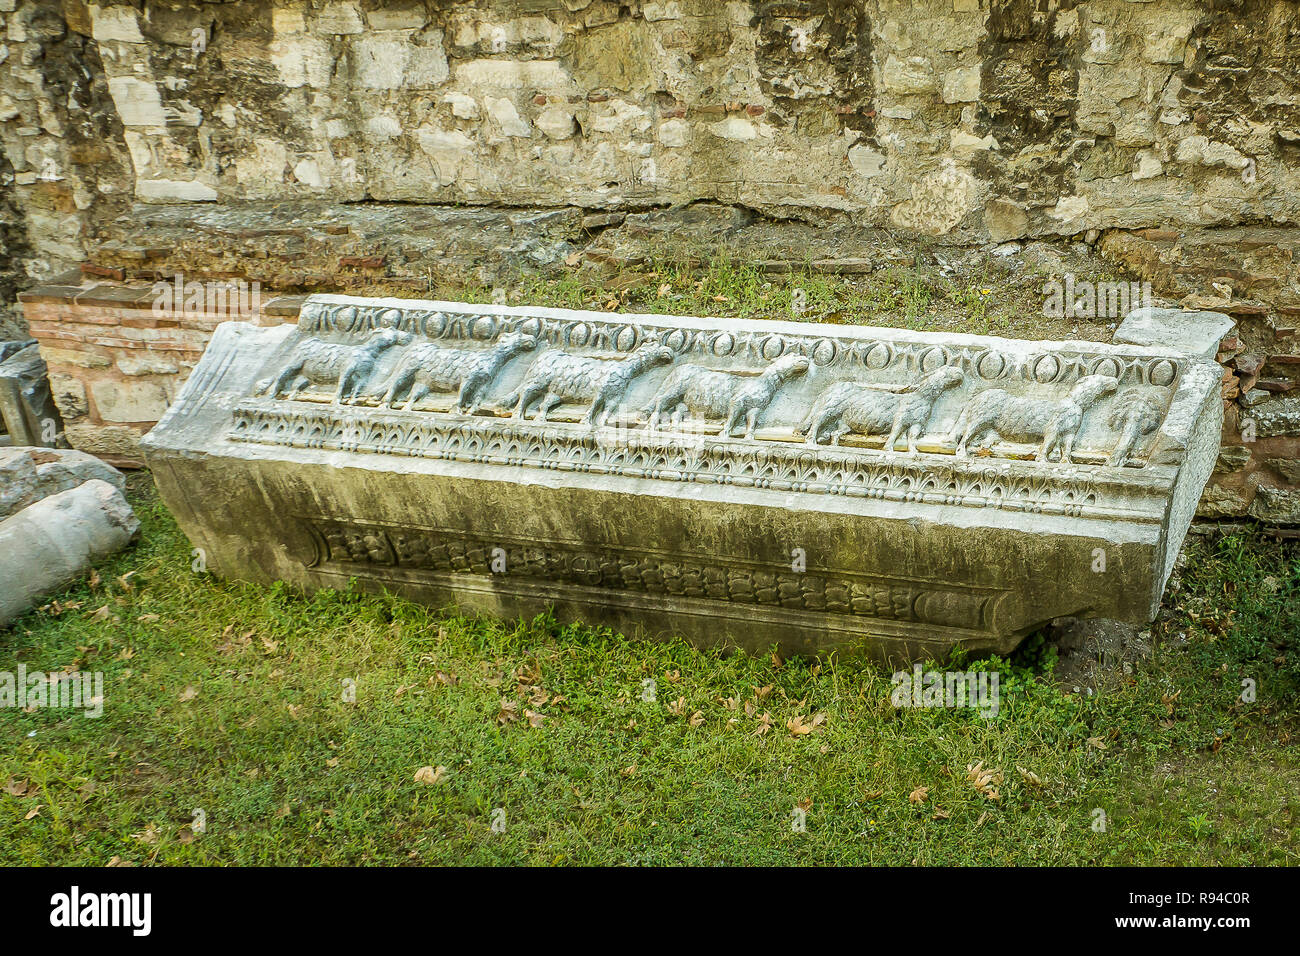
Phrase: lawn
x=348 y=729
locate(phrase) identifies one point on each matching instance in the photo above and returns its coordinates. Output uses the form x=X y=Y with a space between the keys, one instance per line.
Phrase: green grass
x=903 y=297
x=231 y=699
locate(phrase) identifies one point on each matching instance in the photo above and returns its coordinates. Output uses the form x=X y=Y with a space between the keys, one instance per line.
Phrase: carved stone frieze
x=658 y=459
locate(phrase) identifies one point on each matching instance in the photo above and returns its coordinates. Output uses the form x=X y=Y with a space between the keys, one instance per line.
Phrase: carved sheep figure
x=348 y=367
x=713 y=394
x=1134 y=416
x=557 y=377
x=849 y=407
x=1054 y=422
x=469 y=372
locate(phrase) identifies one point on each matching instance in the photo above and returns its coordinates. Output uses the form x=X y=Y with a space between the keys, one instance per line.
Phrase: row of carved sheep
x=558 y=377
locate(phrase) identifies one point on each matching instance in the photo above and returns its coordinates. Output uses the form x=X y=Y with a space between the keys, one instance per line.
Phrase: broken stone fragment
x=26 y=403
x=49 y=544
x=29 y=474
x=1192 y=333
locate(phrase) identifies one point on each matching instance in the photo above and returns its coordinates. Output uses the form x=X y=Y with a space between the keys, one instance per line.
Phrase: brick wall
x=117 y=355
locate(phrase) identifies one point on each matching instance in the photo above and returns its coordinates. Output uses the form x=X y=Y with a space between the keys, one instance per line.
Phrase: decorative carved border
x=623 y=334
x=355 y=545
x=1040 y=488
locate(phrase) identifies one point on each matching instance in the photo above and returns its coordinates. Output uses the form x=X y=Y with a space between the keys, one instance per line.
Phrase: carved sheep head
x=515 y=342
x=656 y=354
x=1092 y=387
x=944 y=378
x=788 y=366
x=1132 y=405
x=387 y=338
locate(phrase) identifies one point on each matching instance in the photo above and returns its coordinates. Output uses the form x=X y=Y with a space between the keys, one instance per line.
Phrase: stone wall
x=966 y=119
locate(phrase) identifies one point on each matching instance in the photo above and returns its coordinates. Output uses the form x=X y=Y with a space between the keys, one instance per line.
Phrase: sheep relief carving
x=797 y=392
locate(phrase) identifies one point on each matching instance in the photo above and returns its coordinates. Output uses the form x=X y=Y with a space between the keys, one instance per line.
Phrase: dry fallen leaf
x=697 y=718
x=189 y=693
x=431 y=775
x=1097 y=743
x=1030 y=777
x=919 y=795
x=535 y=719
x=678 y=707
x=509 y=712
x=939 y=814
x=985 y=781
x=797 y=727
x=34 y=811
x=764 y=724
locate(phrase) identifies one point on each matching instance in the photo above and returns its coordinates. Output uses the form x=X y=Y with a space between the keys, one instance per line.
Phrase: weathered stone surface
x=750 y=483
x=26 y=404
x=1195 y=333
x=29 y=474
x=1276 y=505
x=1276 y=418
x=49 y=544
x=1218 y=502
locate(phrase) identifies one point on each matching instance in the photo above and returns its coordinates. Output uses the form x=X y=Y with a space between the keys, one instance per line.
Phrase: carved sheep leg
x=467 y=402
x=892 y=441
x=549 y=403
x=285 y=378
x=351 y=384
x=402 y=379
x=418 y=391
x=299 y=383
x=1119 y=457
x=528 y=394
